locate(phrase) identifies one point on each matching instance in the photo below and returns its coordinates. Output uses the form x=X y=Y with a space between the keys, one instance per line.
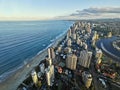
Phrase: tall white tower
x=34 y=77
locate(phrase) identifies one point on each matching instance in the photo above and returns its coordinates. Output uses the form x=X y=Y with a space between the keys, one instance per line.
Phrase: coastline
x=12 y=82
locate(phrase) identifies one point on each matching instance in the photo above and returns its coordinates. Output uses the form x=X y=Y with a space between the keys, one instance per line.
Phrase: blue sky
x=46 y=9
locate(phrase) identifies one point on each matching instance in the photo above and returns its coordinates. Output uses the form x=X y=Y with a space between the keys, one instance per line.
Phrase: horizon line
x=54 y=19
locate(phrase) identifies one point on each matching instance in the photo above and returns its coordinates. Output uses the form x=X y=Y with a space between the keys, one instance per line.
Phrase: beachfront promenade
x=19 y=76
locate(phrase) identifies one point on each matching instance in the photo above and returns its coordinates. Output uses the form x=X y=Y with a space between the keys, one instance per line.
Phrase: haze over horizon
x=58 y=9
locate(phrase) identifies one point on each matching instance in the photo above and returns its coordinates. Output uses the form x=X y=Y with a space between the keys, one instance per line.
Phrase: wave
x=5 y=75
x=53 y=41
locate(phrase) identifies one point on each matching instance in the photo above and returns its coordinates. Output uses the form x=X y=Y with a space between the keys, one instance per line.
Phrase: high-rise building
x=78 y=41
x=87 y=27
x=87 y=78
x=85 y=46
x=59 y=48
x=74 y=36
x=85 y=58
x=34 y=77
x=51 y=53
x=49 y=61
x=71 y=61
x=69 y=42
x=50 y=75
x=69 y=33
x=95 y=36
x=110 y=34
x=89 y=57
x=42 y=68
x=93 y=42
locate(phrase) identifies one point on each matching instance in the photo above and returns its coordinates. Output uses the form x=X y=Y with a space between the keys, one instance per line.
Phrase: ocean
x=22 y=40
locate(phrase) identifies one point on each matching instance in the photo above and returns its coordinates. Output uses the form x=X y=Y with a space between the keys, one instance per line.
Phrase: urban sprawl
x=76 y=63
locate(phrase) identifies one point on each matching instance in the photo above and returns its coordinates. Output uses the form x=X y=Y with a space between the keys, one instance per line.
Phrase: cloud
x=94 y=13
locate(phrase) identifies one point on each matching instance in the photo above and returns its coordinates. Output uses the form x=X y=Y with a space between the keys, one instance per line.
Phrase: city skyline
x=58 y=9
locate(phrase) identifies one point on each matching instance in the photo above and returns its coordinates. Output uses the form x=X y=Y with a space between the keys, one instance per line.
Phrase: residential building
x=51 y=53
x=71 y=61
x=87 y=78
x=50 y=75
x=85 y=58
x=42 y=68
x=34 y=77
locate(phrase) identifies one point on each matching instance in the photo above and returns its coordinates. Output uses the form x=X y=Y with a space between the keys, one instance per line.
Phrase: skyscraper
x=98 y=53
x=51 y=53
x=71 y=61
x=74 y=36
x=69 y=33
x=49 y=61
x=34 y=77
x=85 y=58
x=87 y=78
x=42 y=68
x=50 y=75
x=69 y=42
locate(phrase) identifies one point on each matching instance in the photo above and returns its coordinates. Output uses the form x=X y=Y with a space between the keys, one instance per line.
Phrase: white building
x=59 y=48
x=74 y=36
x=87 y=79
x=69 y=33
x=78 y=41
x=85 y=46
x=69 y=42
x=42 y=68
x=34 y=77
x=98 y=53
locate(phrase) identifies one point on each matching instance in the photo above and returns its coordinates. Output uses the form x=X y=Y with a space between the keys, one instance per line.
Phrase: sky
x=58 y=9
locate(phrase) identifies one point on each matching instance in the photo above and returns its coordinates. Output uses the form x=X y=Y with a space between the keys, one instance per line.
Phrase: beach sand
x=19 y=76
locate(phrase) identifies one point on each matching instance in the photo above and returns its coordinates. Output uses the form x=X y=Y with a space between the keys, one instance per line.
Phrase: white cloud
x=94 y=13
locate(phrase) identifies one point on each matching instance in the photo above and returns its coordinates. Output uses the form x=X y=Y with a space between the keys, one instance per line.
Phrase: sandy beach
x=19 y=76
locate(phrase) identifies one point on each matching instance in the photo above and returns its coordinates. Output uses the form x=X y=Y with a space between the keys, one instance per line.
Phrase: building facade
x=87 y=78
x=71 y=61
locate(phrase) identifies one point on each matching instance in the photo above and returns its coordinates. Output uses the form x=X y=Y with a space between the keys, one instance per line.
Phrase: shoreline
x=14 y=80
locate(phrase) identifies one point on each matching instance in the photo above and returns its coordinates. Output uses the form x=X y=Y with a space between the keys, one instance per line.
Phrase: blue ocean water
x=22 y=40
